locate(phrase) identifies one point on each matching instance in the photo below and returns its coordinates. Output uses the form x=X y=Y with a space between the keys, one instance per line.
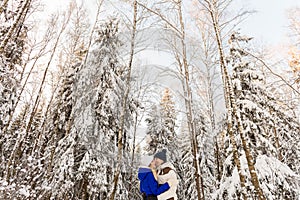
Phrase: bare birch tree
x=18 y=146
x=213 y=7
x=125 y=99
x=41 y=48
x=74 y=51
x=180 y=54
x=207 y=80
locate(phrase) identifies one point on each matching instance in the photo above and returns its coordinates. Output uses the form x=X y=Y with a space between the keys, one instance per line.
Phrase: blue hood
x=143 y=172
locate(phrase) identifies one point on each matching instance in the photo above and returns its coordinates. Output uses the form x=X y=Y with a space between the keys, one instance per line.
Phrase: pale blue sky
x=269 y=23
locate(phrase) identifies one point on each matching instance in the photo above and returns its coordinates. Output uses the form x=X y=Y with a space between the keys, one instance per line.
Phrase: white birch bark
x=124 y=103
x=232 y=107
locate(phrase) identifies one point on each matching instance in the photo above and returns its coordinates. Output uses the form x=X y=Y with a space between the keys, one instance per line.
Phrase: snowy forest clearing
x=82 y=102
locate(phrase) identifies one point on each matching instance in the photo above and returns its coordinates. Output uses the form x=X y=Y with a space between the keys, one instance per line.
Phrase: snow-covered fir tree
x=205 y=159
x=57 y=125
x=10 y=58
x=266 y=124
x=85 y=159
x=13 y=37
x=154 y=127
x=186 y=171
x=168 y=113
x=14 y=133
x=205 y=143
x=161 y=125
x=168 y=137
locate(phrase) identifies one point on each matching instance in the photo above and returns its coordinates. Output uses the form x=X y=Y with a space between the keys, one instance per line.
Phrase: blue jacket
x=148 y=184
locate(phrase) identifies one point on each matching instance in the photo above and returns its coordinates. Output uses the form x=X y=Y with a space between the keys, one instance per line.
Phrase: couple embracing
x=158 y=179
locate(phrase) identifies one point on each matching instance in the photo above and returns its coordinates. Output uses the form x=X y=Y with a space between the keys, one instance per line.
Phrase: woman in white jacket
x=166 y=174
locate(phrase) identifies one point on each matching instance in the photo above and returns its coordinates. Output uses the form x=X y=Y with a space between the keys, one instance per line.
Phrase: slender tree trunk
x=249 y=157
x=277 y=144
x=210 y=100
x=7 y=125
x=84 y=189
x=211 y=104
x=228 y=103
x=233 y=107
x=20 y=21
x=3 y=6
x=124 y=104
x=92 y=31
x=218 y=161
x=133 y=152
x=38 y=138
x=189 y=103
x=19 y=143
x=15 y=24
x=236 y=157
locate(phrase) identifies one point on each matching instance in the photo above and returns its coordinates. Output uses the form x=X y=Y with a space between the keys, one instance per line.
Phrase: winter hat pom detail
x=146 y=160
x=161 y=155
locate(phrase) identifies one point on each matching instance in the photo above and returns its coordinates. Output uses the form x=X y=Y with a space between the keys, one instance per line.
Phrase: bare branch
x=93 y=30
x=162 y=17
x=269 y=68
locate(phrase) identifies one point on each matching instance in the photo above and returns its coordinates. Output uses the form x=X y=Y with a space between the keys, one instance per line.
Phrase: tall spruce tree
x=168 y=114
x=10 y=63
x=13 y=36
x=185 y=163
x=85 y=159
x=154 y=127
x=187 y=187
x=161 y=125
x=262 y=120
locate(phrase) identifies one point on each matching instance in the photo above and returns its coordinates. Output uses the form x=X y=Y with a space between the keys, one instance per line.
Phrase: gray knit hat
x=161 y=155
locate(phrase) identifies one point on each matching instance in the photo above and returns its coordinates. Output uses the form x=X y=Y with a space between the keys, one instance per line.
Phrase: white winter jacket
x=166 y=173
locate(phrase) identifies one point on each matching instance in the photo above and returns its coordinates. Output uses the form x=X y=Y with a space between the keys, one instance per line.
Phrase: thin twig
x=269 y=68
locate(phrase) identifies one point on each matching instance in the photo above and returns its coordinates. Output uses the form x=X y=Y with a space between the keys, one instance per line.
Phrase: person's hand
x=170 y=183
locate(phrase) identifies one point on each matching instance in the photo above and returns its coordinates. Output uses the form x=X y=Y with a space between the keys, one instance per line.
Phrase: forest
x=89 y=87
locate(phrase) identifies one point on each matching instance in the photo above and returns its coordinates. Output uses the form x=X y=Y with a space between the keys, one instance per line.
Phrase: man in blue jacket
x=149 y=186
